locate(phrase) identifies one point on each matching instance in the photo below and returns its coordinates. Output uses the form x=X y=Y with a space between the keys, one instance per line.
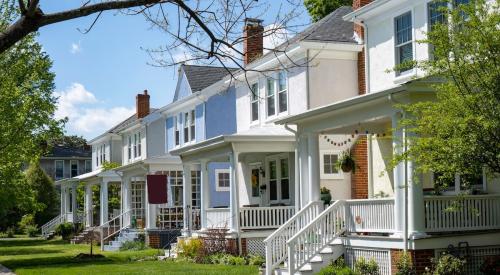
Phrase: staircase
x=308 y=241
x=48 y=229
x=125 y=235
x=84 y=236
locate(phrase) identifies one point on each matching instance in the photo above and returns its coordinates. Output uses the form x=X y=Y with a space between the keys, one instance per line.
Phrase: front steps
x=330 y=253
x=84 y=236
x=125 y=235
x=49 y=235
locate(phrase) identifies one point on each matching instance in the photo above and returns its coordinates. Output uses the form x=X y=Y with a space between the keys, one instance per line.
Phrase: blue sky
x=99 y=73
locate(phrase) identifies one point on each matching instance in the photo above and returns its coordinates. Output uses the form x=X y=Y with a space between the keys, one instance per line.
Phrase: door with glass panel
x=278 y=180
x=138 y=201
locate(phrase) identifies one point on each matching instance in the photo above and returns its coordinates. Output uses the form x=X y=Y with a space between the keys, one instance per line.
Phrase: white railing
x=218 y=217
x=196 y=219
x=370 y=215
x=314 y=237
x=52 y=224
x=265 y=217
x=456 y=213
x=116 y=225
x=276 y=249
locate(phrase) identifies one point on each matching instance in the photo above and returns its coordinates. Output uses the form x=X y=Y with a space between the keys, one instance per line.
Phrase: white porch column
x=370 y=165
x=187 y=199
x=104 y=202
x=234 y=207
x=304 y=171
x=399 y=178
x=416 y=208
x=204 y=193
x=297 y=177
x=63 y=204
x=73 y=203
x=126 y=200
x=150 y=208
x=66 y=201
x=88 y=205
x=313 y=167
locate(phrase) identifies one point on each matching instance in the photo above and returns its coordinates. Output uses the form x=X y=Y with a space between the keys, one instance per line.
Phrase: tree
x=27 y=108
x=45 y=193
x=459 y=132
x=318 y=9
x=69 y=141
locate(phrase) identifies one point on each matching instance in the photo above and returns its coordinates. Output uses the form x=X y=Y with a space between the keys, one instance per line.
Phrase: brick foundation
x=153 y=240
x=420 y=258
x=359 y=180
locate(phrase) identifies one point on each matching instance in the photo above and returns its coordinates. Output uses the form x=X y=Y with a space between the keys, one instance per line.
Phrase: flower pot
x=326 y=198
x=347 y=165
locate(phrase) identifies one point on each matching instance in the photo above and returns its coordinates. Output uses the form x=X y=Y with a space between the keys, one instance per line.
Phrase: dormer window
x=403 y=38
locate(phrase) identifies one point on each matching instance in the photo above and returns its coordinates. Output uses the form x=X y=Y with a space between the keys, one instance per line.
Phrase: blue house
x=196 y=115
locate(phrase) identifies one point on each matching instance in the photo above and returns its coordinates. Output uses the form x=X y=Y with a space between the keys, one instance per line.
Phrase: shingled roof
x=127 y=122
x=66 y=152
x=200 y=77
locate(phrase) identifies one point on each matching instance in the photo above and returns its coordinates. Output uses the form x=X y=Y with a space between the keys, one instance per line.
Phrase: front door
x=278 y=180
x=138 y=200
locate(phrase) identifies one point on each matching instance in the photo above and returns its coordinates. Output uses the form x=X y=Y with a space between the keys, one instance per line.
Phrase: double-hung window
x=329 y=168
x=186 y=127
x=222 y=180
x=254 y=102
x=59 y=169
x=282 y=92
x=192 y=125
x=88 y=165
x=96 y=150
x=270 y=96
x=177 y=137
x=403 y=38
x=103 y=152
x=135 y=145
x=436 y=13
x=139 y=147
x=102 y=156
x=74 y=168
x=129 y=147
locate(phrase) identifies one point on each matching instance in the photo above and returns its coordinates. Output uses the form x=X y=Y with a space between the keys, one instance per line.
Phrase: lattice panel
x=382 y=257
x=256 y=246
x=476 y=257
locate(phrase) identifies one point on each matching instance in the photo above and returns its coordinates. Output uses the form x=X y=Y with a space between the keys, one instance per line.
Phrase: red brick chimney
x=253 y=40
x=358 y=29
x=142 y=104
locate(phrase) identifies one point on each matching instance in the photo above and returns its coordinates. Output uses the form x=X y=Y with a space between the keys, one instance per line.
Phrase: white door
x=278 y=179
x=255 y=185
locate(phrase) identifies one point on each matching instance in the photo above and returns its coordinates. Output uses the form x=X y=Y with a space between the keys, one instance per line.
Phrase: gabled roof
x=128 y=122
x=199 y=77
x=67 y=152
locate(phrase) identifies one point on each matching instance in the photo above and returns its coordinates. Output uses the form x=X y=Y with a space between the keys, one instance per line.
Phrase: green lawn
x=36 y=256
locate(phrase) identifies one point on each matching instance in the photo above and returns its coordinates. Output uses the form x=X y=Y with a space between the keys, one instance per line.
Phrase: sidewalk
x=5 y=271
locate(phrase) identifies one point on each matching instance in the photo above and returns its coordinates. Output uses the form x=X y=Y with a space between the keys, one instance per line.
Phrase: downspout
x=405 y=148
x=367 y=56
x=297 y=170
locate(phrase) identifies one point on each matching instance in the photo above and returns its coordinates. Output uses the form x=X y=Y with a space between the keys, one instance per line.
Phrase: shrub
x=448 y=265
x=32 y=230
x=405 y=265
x=365 y=267
x=256 y=260
x=65 y=230
x=133 y=245
x=337 y=268
x=26 y=220
x=10 y=232
x=190 y=248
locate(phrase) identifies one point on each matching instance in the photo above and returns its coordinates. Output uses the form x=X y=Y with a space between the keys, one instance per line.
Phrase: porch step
x=49 y=235
x=124 y=236
x=322 y=259
x=84 y=236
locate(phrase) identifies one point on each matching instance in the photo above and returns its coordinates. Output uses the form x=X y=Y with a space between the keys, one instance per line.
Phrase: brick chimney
x=142 y=104
x=358 y=29
x=253 y=40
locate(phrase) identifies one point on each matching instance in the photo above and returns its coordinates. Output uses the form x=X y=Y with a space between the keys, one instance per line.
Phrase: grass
x=37 y=256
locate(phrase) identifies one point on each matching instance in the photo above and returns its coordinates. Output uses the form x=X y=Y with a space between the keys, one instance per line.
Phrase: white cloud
x=275 y=35
x=76 y=48
x=86 y=115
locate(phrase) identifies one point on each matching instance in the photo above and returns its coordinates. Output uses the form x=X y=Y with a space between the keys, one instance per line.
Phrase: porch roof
x=99 y=173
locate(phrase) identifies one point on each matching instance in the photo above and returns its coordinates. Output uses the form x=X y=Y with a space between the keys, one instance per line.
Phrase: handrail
x=276 y=251
x=458 y=197
x=315 y=236
x=52 y=224
x=117 y=221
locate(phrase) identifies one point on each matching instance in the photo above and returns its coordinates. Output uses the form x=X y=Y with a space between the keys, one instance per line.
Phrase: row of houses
x=248 y=152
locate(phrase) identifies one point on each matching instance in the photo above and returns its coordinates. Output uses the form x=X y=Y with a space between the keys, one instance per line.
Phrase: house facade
x=66 y=162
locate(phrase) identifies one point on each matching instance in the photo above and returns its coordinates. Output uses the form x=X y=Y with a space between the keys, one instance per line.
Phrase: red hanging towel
x=157 y=189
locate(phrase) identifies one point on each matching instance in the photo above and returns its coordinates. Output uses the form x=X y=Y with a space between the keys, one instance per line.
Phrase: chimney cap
x=145 y=92
x=253 y=22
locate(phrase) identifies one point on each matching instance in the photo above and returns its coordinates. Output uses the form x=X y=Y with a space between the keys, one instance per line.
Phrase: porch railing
x=218 y=217
x=114 y=226
x=52 y=224
x=455 y=213
x=370 y=215
x=265 y=217
x=315 y=236
x=276 y=249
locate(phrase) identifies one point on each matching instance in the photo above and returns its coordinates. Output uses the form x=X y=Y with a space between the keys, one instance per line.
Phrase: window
x=457 y=3
x=129 y=148
x=329 y=168
x=176 y=131
x=186 y=127
x=135 y=146
x=404 y=39
x=270 y=97
x=285 y=182
x=139 y=147
x=102 y=153
x=192 y=126
x=96 y=151
x=59 y=169
x=254 y=101
x=222 y=179
x=255 y=181
x=282 y=92
x=175 y=181
x=74 y=168
x=195 y=189
x=436 y=14
x=460 y=182
x=88 y=165
x=279 y=179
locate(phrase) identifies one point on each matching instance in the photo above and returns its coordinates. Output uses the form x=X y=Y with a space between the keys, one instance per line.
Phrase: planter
x=326 y=198
x=347 y=165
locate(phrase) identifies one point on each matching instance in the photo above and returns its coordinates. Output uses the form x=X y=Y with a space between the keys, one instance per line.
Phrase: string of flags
x=356 y=133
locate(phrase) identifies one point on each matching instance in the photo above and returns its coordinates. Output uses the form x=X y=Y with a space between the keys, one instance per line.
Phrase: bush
x=256 y=260
x=337 y=268
x=190 y=248
x=365 y=267
x=11 y=231
x=31 y=230
x=405 y=265
x=448 y=265
x=26 y=220
x=65 y=230
x=133 y=245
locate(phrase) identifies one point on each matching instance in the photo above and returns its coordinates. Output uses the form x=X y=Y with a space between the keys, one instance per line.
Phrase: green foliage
x=106 y=165
x=190 y=248
x=27 y=105
x=347 y=162
x=44 y=191
x=133 y=245
x=11 y=231
x=256 y=260
x=68 y=141
x=226 y=259
x=458 y=133
x=337 y=268
x=318 y=9
x=362 y=266
x=65 y=230
x=448 y=265
x=405 y=265
x=32 y=230
x=26 y=221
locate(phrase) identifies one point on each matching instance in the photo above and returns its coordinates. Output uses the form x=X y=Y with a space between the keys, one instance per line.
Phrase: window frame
x=139 y=144
x=87 y=166
x=269 y=96
x=177 y=133
x=219 y=188
x=254 y=99
x=55 y=169
x=323 y=175
x=71 y=162
x=457 y=188
x=185 y=128
x=192 y=125
x=280 y=92
x=398 y=46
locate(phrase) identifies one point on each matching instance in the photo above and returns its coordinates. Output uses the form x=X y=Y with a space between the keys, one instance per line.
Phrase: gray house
x=66 y=162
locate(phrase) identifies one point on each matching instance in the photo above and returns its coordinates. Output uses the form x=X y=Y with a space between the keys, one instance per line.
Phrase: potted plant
x=347 y=162
x=326 y=196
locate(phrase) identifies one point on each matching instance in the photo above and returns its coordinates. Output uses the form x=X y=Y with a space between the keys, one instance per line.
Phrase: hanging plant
x=347 y=162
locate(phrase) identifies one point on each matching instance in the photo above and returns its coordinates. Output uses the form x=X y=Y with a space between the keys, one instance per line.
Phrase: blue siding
x=200 y=122
x=220 y=114
x=169 y=138
x=217 y=198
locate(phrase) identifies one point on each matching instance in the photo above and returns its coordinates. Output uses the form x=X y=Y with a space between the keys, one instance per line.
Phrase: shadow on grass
x=69 y=260
x=30 y=242
x=28 y=251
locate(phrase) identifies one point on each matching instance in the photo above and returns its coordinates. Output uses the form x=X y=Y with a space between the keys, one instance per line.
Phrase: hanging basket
x=347 y=164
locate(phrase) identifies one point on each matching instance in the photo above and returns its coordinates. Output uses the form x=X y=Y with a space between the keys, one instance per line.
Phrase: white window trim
x=267 y=179
x=55 y=169
x=286 y=91
x=71 y=168
x=257 y=121
x=404 y=75
x=192 y=123
x=176 y=129
x=277 y=114
x=458 y=189
x=323 y=175
x=86 y=166
x=222 y=188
